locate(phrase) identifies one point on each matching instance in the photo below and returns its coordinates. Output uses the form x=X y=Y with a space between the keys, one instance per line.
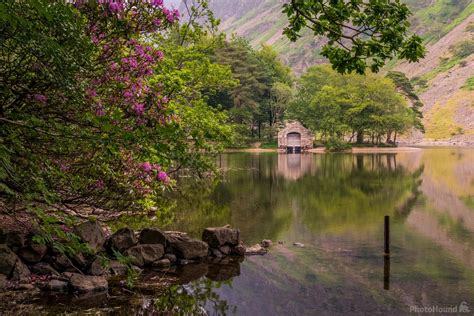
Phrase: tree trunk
x=360 y=137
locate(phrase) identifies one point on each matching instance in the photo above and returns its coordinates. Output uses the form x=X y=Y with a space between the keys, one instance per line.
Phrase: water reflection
x=335 y=205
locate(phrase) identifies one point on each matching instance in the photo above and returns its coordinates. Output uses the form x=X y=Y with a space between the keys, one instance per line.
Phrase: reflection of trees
x=195 y=298
x=354 y=191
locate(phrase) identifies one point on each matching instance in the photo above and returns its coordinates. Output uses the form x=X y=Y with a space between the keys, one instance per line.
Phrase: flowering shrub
x=88 y=114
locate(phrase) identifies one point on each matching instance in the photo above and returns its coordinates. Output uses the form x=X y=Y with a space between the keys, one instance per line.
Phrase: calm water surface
x=335 y=205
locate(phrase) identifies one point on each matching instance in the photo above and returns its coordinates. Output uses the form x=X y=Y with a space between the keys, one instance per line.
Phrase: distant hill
x=445 y=78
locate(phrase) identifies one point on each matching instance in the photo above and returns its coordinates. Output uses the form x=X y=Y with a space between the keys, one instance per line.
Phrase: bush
x=335 y=145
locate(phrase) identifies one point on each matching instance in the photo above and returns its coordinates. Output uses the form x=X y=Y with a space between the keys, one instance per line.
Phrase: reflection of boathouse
x=295 y=138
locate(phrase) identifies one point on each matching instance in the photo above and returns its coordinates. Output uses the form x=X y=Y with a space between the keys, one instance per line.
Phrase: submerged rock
x=162 y=264
x=57 y=286
x=145 y=254
x=87 y=283
x=92 y=234
x=122 y=239
x=256 y=249
x=216 y=237
x=266 y=243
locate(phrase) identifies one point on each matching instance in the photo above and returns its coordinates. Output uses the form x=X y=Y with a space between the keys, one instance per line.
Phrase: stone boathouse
x=295 y=138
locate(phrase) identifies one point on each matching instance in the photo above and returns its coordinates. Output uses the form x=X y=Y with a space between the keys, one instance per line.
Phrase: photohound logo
x=462 y=308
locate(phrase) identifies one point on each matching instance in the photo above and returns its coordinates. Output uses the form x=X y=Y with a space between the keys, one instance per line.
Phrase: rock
x=63 y=263
x=187 y=248
x=162 y=264
x=281 y=242
x=79 y=260
x=117 y=268
x=20 y=271
x=190 y=249
x=225 y=250
x=216 y=253
x=15 y=240
x=88 y=283
x=122 y=239
x=145 y=254
x=298 y=244
x=96 y=268
x=8 y=260
x=256 y=249
x=171 y=257
x=152 y=236
x=183 y=262
x=57 y=286
x=25 y=287
x=266 y=243
x=92 y=234
x=220 y=236
x=3 y=282
x=43 y=268
x=33 y=253
x=238 y=250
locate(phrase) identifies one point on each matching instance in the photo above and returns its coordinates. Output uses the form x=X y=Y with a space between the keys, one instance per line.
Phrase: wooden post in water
x=387 y=235
x=386 y=261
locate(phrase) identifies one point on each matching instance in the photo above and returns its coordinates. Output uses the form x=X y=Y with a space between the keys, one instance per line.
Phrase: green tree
x=361 y=33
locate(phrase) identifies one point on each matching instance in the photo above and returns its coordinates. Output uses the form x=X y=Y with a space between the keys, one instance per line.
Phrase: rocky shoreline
x=26 y=265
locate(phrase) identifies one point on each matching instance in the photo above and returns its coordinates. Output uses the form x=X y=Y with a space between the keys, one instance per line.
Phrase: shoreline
x=322 y=150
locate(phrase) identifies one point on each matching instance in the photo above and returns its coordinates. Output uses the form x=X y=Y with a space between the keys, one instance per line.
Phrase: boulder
x=220 y=236
x=88 y=283
x=33 y=253
x=225 y=250
x=43 y=268
x=3 y=282
x=188 y=248
x=161 y=264
x=57 y=286
x=20 y=271
x=63 y=263
x=92 y=234
x=256 y=249
x=171 y=257
x=238 y=250
x=266 y=243
x=145 y=254
x=152 y=236
x=8 y=260
x=96 y=268
x=298 y=244
x=15 y=240
x=117 y=268
x=216 y=253
x=122 y=239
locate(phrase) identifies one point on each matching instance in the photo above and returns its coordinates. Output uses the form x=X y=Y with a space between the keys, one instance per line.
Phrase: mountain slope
x=443 y=79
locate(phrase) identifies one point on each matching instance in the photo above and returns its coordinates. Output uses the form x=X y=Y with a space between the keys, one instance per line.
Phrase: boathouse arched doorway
x=294 y=142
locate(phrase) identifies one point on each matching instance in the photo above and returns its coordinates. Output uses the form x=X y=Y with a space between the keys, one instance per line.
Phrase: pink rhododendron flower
x=139 y=109
x=147 y=167
x=99 y=184
x=100 y=111
x=157 y=22
x=162 y=176
x=40 y=98
x=157 y=3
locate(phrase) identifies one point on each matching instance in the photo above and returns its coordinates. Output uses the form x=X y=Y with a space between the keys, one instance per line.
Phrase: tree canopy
x=362 y=34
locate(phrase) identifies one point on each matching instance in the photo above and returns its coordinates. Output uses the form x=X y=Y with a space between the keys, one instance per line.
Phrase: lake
x=335 y=205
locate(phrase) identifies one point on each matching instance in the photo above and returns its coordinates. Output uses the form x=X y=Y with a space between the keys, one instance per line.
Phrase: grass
x=269 y=145
x=469 y=85
x=440 y=123
x=469 y=201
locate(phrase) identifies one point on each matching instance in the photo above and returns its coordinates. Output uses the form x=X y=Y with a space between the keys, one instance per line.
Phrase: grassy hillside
x=444 y=79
